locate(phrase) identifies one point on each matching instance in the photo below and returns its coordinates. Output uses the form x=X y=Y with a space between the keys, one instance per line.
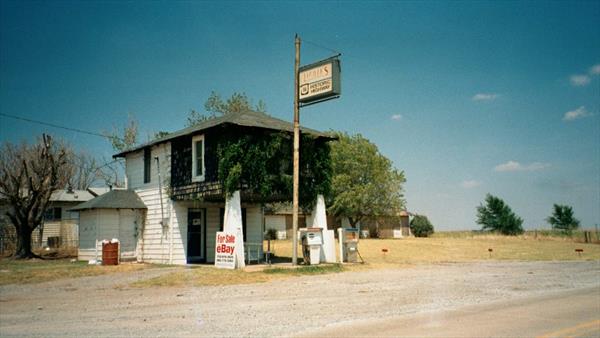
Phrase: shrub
x=271 y=234
x=420 y=226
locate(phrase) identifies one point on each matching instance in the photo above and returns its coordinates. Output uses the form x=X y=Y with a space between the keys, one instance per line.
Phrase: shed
x=117 y=214
x=397 y=226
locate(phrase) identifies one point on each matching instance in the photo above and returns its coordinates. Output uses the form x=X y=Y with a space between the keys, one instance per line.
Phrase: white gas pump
x=311 y=240
x=348 y=245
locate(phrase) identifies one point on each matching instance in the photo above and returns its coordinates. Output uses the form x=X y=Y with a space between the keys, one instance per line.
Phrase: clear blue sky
x=467 y=98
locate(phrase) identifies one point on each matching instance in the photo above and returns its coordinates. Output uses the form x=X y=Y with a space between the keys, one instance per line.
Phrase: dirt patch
x=106 y=306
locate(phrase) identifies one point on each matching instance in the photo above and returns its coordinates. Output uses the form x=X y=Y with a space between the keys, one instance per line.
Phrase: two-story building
x=176 y=178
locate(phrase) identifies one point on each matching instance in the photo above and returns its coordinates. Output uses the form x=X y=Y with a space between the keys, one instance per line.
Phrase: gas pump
x=348 y=245
x=311 y=239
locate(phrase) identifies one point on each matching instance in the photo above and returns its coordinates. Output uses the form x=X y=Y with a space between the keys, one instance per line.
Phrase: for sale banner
x=225 y=250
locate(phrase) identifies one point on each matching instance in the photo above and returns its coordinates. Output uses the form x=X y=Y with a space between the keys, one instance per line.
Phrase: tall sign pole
x=296 y=156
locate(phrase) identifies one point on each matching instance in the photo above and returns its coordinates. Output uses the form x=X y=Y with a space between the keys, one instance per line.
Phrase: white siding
x=88 y=254
x=87 y=235
x=134 y=167
x=127 y=232
x=105 y=224
x=168 y=244
x=156 y=243
x=156 y=239
x=87 y=229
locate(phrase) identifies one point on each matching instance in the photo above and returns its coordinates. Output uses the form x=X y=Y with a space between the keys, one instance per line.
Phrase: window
x=222 y=221
x=198 y=158
x=147 y=165
x=53 y=214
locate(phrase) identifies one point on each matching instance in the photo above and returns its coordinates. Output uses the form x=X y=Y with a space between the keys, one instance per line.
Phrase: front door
x=196 y=244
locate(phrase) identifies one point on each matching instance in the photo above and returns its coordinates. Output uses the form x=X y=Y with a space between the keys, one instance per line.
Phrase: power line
x=105 y=164
x=321 y=46
x=59 y=126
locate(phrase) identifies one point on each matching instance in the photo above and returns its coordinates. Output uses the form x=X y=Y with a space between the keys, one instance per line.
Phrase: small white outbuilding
x=117 y=214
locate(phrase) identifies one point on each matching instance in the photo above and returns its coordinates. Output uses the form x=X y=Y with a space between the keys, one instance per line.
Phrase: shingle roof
x=97 y=191
x=65 y=195
x=245 y=119
x=114 y=199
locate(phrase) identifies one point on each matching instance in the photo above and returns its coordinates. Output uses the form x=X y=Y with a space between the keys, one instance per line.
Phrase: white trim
x=198 y=178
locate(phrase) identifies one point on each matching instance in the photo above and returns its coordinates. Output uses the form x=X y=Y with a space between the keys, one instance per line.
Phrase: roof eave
x=216 y=122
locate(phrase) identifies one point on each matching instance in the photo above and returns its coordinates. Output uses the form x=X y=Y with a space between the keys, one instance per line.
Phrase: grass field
x=464 y=247
x=37 y=271
x=441 y=248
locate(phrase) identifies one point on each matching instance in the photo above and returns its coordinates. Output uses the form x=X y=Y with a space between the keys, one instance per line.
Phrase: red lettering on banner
x=226 y=249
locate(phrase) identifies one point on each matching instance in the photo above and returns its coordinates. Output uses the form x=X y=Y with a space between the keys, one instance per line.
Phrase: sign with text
x=319 y=81
x=224 y=250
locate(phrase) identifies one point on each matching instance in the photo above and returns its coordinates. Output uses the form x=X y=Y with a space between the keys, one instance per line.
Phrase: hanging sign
x=225 y=250
x=319 y=81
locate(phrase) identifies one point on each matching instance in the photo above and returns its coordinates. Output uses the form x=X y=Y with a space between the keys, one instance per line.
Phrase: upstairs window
x=147 y=165
x=198 y=169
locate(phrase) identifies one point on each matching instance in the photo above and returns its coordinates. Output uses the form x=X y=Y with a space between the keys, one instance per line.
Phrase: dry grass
x=37 y=271
x=460 y=247
x=205 y=275
x=208 y=275
x=443 y=247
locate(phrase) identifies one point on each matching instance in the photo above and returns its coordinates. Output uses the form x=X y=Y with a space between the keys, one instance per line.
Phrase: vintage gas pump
x=348 y=245
x=311 y=239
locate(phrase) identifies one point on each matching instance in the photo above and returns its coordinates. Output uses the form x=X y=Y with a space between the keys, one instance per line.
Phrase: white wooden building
x=175 y=177
x=117 y=214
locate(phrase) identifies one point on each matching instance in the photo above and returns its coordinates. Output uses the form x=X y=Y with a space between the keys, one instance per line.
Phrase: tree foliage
x=261 y=165
x=29 y=174
x=215 y=106
x=497 y=216
x=420 y=226
x=125 y=138
x=563 y=218
x=159 y=134
x=364 y=182
x=121 y=139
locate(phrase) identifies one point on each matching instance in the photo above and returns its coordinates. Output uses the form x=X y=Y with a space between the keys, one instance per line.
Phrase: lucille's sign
x=225 y=250
x=319 y=81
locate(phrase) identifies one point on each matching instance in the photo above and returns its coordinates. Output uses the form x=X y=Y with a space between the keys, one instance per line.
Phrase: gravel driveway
x=97 y=306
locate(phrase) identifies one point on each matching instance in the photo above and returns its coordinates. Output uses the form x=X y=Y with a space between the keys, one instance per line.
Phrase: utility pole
x=296 y=156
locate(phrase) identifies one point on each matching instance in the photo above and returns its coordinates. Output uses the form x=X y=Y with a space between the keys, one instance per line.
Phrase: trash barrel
x=110 y=253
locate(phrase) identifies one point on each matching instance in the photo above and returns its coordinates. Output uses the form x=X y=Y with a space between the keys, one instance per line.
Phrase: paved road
x=563 y=314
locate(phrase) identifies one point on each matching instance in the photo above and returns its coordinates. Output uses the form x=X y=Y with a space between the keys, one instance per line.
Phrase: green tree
x=563 y=219
x=364 y=182
x=215 y=106
x=420 y=226
x=497 y=216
